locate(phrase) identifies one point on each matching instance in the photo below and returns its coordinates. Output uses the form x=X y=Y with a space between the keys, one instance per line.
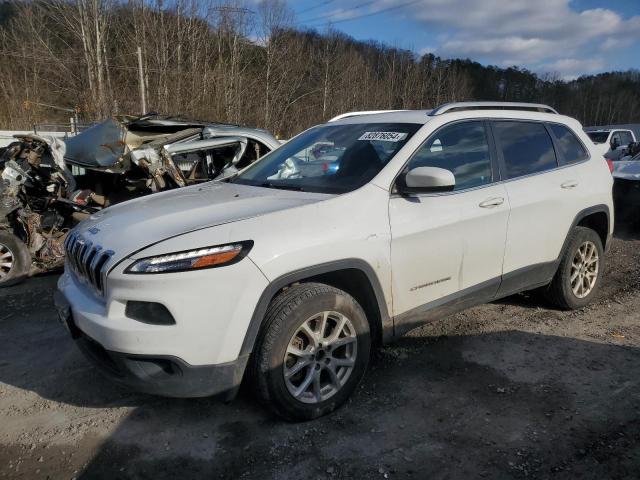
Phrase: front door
x=446 y=246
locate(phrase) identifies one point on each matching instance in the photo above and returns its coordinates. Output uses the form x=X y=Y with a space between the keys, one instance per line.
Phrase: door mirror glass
x=427 y=179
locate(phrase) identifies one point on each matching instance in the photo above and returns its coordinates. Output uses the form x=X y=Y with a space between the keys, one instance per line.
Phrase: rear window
x=526 y=148
x=598 y=137
x=571 y=149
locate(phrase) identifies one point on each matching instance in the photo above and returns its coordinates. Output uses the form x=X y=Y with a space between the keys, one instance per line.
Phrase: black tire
x=20 y=257
x=286 y=313
x=559 y=292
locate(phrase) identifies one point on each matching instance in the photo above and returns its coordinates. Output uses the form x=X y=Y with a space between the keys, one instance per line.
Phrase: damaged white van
x=344 y=238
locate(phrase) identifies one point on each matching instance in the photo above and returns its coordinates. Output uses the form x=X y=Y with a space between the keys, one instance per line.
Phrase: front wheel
x=15 y=260
x=312 y=353
x=578 y=277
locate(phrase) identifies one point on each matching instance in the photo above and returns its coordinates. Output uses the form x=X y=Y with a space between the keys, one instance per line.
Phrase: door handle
x=569 y=184
x=492 y=202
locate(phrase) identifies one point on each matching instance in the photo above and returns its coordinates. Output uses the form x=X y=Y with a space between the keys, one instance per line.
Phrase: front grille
x=87 y=260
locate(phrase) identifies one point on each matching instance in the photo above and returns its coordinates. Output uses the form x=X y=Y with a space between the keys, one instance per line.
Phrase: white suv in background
x=344 y=238
x=611 y=143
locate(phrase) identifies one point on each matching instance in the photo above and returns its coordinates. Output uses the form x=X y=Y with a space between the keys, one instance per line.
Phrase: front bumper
x=212 y=309
x=163 y=375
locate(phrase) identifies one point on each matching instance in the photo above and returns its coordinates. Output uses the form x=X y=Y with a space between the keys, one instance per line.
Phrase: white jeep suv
x=344 y=238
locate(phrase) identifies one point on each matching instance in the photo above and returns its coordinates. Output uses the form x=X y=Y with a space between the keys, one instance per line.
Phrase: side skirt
x=511 y=283
x=445 y=306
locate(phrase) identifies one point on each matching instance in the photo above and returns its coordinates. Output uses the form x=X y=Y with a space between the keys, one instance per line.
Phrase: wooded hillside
x=222 y=61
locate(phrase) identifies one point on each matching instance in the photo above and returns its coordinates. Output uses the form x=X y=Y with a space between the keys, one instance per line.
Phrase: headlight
x=208 y=257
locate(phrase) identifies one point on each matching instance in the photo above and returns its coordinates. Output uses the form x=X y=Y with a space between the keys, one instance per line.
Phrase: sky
x=564 y=37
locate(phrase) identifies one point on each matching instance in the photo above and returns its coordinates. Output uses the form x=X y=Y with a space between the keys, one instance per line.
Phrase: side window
x=616 y=141
x=461 y=148
x=526 y=147
x=625 y=138
x=569 y=145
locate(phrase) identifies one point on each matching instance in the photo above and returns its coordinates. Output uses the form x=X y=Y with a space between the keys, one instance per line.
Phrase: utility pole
x=143 y=93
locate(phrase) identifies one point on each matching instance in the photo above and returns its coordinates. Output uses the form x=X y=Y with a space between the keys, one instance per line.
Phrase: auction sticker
x=384 y=136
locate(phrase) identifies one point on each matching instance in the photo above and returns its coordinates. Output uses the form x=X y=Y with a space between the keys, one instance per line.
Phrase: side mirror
x=426 y=180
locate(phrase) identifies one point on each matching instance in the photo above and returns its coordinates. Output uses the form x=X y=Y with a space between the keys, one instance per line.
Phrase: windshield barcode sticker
x=384 y=136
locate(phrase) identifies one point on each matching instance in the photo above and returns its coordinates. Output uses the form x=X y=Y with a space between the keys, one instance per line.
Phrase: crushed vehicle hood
x=99 y=146
x=130 y=226
x=627 y=170
x=104 y=145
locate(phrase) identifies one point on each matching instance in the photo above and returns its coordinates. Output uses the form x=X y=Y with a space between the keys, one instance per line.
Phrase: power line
x=326 y=2
x=370 y=14
x=80 y=62
x=349 y=10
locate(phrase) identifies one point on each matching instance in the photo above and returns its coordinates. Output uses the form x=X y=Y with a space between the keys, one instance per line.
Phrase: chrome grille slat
x=88 y=262
x=84 y=253
x=79 y=255
x=76 y=250
x=93 y=264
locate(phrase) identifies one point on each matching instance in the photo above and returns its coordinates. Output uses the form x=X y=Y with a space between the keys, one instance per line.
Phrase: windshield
x=598 y=137
x=330 y=158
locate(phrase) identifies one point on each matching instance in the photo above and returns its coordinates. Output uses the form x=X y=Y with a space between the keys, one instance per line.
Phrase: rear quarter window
x=526 y=147
x=571 y=150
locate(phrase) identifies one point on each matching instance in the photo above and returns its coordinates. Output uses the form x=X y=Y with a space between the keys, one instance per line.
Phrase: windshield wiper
x=282 y=186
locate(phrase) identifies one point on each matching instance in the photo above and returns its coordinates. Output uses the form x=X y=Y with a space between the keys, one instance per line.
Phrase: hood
x=627 y=170
x=99 y=146
x=105 y=144
x=130 y=226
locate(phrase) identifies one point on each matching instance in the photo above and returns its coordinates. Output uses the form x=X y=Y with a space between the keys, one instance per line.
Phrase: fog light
x=149 y=312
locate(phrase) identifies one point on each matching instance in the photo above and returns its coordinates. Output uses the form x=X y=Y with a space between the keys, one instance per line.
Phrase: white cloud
x=427 y=49
x=537 y=34
x=571 y=68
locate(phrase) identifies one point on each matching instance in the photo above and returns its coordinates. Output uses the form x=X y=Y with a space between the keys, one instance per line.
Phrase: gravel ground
x=513 y=389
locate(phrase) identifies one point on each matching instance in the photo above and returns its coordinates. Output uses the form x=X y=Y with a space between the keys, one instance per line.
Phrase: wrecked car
x=125 y=157
x=48 y=186
x=39 y=203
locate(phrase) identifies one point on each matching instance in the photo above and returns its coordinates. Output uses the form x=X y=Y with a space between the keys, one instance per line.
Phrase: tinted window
x=461 y=148
x=569 y=145
x=332 y=158
x=598 y=137
x=626 y=138
x=526 y=147
x=615 y=140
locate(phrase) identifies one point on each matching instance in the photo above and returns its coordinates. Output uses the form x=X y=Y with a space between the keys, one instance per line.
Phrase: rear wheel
x=15 y=260
x=578 y=277
x=313 y=351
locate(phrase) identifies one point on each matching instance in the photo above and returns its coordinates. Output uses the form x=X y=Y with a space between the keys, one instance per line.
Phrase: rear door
x=445 y=245
x=544 y=191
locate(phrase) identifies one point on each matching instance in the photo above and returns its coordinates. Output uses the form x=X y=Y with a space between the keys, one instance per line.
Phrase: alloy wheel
x=584 y=269
x=320 y=357
x=6 y=261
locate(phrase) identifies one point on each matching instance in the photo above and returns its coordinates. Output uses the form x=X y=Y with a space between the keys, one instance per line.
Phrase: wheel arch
x=598 y=219
x=354 y=276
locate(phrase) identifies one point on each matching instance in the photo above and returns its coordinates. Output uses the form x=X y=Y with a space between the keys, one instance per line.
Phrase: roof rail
x=366 y=112
x=462 y=106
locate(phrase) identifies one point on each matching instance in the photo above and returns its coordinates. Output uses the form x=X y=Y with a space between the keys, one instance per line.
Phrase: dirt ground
x=508 y=390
